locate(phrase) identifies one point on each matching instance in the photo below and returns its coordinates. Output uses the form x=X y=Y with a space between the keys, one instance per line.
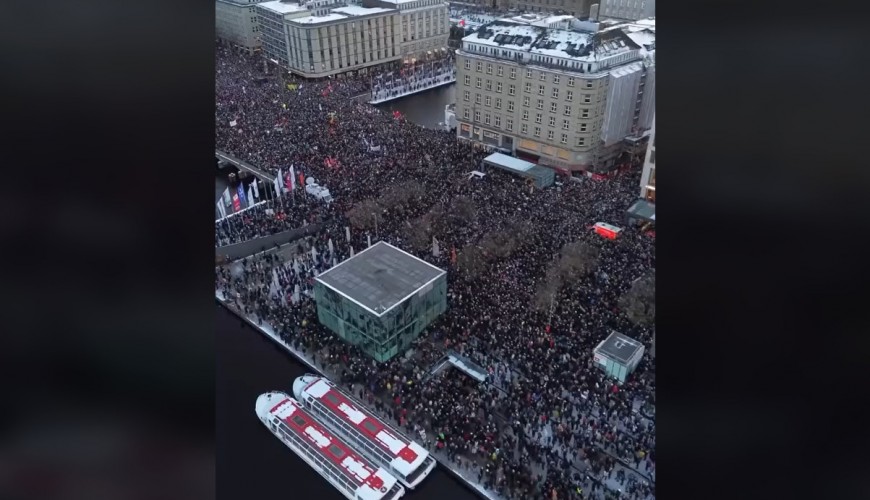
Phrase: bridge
x=241 y=165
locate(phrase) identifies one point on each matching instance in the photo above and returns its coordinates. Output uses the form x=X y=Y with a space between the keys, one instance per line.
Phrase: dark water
x=251 y=461
x=426 y=108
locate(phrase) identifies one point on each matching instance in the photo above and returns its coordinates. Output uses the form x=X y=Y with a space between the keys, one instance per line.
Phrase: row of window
x=480 y=83
x=524 y=128
x=325 y=465
x=542 y=76
x=353 y=435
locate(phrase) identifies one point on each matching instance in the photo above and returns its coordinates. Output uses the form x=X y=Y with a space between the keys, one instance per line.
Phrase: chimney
x=593 y=12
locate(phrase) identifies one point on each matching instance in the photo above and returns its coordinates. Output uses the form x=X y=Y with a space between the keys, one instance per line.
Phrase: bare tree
x=462 y=210
x=577 y=259
x=471 y=261
x=362 y=214
x=547 y=291
x=418 y=232
x=639 y=302
x=400 y=195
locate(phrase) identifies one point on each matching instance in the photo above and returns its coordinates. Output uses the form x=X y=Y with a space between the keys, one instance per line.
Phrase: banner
x=347 y=233
x=289 y=181
x=242 y=197
x=237 y=205
x=226 y=196
x=251 y=195
x=256 y=191
x=221 y=209
x=292 y=86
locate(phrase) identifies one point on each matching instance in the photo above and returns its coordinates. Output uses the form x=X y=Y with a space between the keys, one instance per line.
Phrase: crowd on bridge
x=413 y=77
x=531 y=289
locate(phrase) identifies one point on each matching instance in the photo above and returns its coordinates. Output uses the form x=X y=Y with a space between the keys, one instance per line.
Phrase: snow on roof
x=353 y=10
x=500 y=34
x=282 y=7
x=397 y=2
x=562 y=43
x=319 y=19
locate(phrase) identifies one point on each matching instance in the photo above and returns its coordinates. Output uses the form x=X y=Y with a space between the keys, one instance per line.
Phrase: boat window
x=370 y=426
x=336 y=451
x=298 y=420
x=332 y=398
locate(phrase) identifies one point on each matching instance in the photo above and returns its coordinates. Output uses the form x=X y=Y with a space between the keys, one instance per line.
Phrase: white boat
x=409 y=462
x=351 y=474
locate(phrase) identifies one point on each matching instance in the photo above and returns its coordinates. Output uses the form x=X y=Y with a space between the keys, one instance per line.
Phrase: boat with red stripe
x=409 y=462
x=349 y=472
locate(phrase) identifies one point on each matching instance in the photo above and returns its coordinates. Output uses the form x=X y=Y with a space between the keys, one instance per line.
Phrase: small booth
x=606 y=230
x=618 y=355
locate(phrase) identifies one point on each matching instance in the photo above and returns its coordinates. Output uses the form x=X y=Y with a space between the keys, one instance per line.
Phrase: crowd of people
x=272 y=216
x=548 y=421
x=413 y=77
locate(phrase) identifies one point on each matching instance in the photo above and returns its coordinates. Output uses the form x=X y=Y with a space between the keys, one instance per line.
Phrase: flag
x=237 y=204
x=226 y=195
x=435 y=250
x=313 y=253
x=351 y=251
x=453 y=255
x=233 y=123
x=256 y=191
x=370 y=239
x=277 y=186
x=301 y=179
x=295 y=297
x=243 y=201
x=347 y=233
x=251 y=195
x=221 y=209
x=290 y=181
x=331 y=248
x=296 y=268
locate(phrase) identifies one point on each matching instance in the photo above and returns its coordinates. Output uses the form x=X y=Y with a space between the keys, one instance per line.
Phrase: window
x=543 y=76
x=528 y=88
x=512 y=90
x=583 y=127
x=525 y=115
x=489 y=85
x=497 y=121
x=556 y=79
x=467 y=80
x=336 y=451
x=513 y=73
x=500 y=71
x=584 y=113
x=588 y=84
x=488 y=68
x=587 y=98
x=539 y=118
x=478 y=82
x=468 y=64
x=537 y=131
x=552 y=121
x=567 y=110
x=553 y=107
x=486 y=119
x=566 y=124
x=540 y=90
x=466 y=114
x=488 y=100
x=298 y=420
x=466 y=96
x=526 y=101
x=524 y=129
x=570 y=81
x=581 y=141
x=564 y=139
x=477 y=116
x=528 y=73
x=498 y=87
x=540 y=104
x=550 y=135
x=569 y=96
x=479 y=66
x=509 y=124
x=476 y=98
x=510 y=105
x=498 y=103
x=555 y=93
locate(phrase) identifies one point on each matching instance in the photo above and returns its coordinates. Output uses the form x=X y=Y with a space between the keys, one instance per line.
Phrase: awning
x=642 y=209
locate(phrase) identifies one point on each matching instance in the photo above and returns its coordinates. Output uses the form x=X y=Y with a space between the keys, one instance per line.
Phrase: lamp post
x=375 y=215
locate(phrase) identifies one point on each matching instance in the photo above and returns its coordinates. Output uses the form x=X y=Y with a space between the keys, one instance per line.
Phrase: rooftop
x=619 y=347
x=319 y=19
x=353 y=10
x=282 y=7
x=380 y=277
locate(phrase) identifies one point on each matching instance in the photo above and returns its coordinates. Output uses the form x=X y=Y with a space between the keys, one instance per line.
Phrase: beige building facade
x=425 y=25
x=236 y=22
x=320 y=38
x=559 y=98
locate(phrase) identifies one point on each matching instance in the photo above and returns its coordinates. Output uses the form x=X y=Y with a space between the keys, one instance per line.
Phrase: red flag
x=301 y=179
x=453 y=255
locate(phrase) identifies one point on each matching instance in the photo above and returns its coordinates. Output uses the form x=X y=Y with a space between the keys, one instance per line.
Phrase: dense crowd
x=548 y=421
x=270 y=217
x=413 y=77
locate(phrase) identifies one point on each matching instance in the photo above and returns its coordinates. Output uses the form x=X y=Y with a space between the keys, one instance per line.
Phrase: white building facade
x=236 y=22
x=630 y=10
x=566 y=99
x=425 y=25
x=322 y=38
x=648 y=178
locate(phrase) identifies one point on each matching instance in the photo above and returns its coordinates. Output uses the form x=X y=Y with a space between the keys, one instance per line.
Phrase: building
x=425 y=25
x=618 y=355
x=577 y=8
x=648 y=178
x=381 y=299
x=320 y=38
x=630 y=10
x=236 y=22
x=566 y=99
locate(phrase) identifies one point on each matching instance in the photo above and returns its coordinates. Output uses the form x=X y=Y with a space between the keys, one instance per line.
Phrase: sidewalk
x=465 y=475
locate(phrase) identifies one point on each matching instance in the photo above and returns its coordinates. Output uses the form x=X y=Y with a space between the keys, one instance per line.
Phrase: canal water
x=426 y=108
x=251 y=461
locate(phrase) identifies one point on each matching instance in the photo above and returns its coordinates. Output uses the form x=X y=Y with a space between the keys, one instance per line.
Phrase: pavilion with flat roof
x=380 y=299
